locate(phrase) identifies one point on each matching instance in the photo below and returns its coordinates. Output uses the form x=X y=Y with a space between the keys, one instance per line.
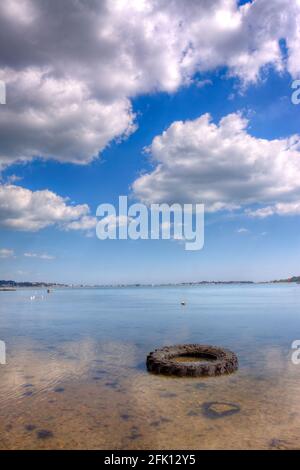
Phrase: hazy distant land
x=10 y=285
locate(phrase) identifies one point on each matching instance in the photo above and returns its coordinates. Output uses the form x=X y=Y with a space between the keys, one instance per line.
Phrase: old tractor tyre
x=219 y=361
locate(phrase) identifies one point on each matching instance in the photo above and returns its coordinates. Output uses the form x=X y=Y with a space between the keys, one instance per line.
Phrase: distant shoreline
x=14 y=285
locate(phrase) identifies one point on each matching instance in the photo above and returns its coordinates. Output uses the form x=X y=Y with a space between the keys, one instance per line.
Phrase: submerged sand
x=82 y=395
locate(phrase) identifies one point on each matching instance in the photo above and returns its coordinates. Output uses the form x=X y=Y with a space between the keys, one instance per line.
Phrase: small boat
x=183 y=302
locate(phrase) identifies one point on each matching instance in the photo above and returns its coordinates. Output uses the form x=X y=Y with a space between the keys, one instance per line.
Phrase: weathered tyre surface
x=162 y=361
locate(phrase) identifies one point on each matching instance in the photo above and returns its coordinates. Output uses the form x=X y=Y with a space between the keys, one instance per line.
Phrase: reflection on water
x=76 y=377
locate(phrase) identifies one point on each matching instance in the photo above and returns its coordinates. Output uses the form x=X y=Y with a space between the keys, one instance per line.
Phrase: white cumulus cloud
x=72 y=67
x=26 y=210
x=87 y=222
x=281 y=208
x=223 y=166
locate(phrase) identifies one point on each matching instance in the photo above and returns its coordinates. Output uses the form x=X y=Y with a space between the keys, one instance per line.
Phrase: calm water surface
x=76 y=378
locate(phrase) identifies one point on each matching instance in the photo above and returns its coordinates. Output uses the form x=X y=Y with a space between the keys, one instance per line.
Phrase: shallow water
x=75 y=375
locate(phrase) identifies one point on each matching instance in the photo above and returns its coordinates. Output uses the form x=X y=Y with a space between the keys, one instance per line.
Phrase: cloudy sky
x=163 y=103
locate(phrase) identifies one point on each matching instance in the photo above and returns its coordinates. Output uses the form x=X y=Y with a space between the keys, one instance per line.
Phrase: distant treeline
x=291 y=279
x=14 y=284
x=28 y=284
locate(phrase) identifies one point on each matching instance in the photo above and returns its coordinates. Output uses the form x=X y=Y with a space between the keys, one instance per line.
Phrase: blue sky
x=241 y=243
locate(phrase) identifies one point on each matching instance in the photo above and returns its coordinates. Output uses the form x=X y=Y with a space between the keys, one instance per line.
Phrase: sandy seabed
x=72 y=397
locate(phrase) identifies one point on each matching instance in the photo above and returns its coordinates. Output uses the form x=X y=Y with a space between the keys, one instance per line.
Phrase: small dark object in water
x=155 y=424
x=280 y=444
x=219 y=361
x=215 y=409
x=168 y=395
x=183 y=303
x=30 y=427
x=113 y=385
x=135 y=434
x=125 y=417
x=44 y=434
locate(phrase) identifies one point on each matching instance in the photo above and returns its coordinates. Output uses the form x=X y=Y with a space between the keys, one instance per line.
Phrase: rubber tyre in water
x=219 y=361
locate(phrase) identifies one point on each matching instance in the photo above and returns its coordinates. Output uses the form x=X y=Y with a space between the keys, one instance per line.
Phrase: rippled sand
x=83 y=395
